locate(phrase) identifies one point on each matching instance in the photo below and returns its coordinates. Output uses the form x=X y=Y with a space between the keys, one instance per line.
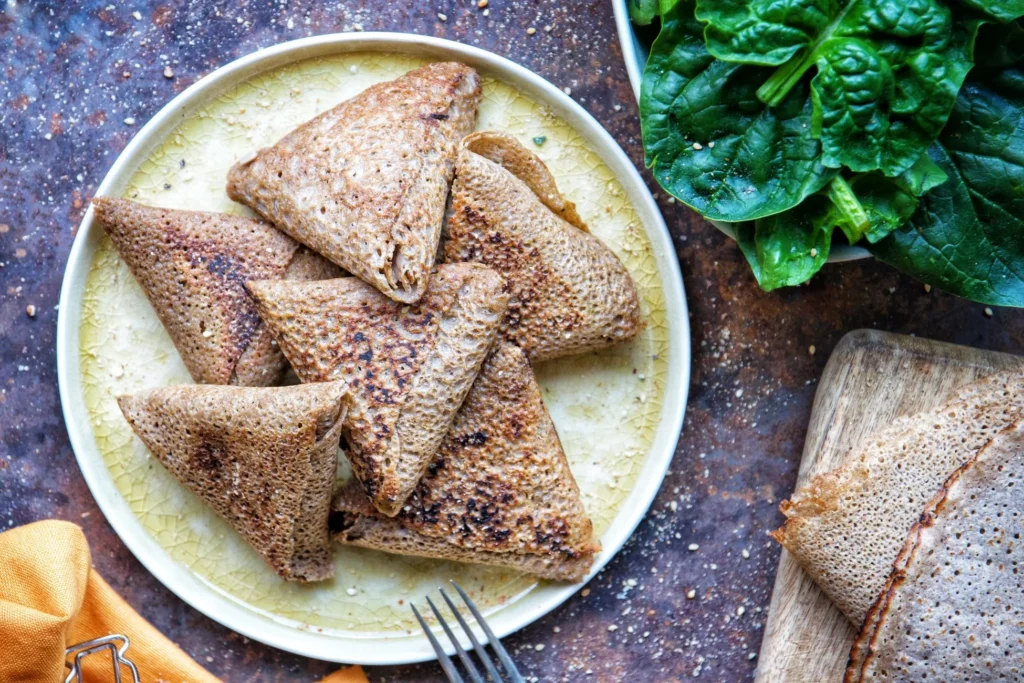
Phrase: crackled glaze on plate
x=606 y=406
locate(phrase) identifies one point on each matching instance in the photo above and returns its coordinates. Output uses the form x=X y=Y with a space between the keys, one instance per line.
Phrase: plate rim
x=244 y=619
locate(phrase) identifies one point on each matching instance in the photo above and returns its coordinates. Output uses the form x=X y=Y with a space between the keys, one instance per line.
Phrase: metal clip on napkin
x=106 y=643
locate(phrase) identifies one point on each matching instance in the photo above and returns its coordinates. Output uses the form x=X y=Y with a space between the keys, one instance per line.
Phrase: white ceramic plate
x=635 y=55
x=619 y=412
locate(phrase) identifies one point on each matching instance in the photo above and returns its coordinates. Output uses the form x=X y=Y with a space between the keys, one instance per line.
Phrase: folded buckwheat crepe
x=365 y=183
x=409 y=367
x=498 y=491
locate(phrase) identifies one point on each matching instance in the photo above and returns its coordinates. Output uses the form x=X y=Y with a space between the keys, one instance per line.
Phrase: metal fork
x=446 y=663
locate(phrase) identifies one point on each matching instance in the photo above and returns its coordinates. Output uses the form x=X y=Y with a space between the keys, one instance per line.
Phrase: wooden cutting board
x=871 y=378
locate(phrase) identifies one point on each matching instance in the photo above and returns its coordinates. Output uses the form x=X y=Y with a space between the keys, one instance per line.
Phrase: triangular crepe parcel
x=192 y=266
x=570 y=293
x=952 y=609
x=264 y=458
x=498 y=491
x=846 y=527
x=365 y=183
x=409 y=367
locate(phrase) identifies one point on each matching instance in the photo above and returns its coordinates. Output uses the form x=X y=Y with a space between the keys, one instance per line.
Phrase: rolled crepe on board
x=498 y=492
x=264 y=458
x=846 y=527
x=193 y=265
x=952 y=608
x=409 y=367
x=365 y=183
x=570 y=293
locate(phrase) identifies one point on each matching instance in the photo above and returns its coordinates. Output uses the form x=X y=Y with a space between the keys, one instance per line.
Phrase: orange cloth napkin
x=50 y=598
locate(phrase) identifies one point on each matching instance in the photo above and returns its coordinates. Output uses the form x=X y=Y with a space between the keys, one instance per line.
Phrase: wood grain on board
x=871 y=378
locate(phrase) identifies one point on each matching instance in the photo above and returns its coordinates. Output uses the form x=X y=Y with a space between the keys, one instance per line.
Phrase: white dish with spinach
x=896 y=125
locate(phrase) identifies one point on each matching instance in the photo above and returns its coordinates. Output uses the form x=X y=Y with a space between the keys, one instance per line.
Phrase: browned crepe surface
x=499 y=491
x=193 y=266
x=409 y=367
x=570 y=293
x=264 y=458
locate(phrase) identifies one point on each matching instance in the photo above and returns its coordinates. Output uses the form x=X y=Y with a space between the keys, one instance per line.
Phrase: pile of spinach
x=887 y=119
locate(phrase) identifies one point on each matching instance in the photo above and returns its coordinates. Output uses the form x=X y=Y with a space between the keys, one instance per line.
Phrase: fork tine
x=499 y=649
x=477 y=647
x=463 y=657
x=442 y=658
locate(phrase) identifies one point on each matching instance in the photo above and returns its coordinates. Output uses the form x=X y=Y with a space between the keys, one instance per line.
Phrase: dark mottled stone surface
x=80 y=77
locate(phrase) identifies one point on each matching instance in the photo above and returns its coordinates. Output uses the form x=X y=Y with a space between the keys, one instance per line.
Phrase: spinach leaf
x=787 y=249
x=997 y=10
x=708 y=139
x=887 y=202
x=643 y=12
x=888 y=71
x=967 y=236
x=999 y=48
x=763 y=32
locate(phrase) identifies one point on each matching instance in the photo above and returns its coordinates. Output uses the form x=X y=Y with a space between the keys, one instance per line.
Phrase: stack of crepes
x=917 y=538
x=422 y=371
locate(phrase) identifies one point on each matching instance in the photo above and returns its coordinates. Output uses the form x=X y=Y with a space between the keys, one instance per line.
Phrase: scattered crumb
x=988 y=312
x=31 y=310
x=538 y=647
x=530 y=31
x=693 y=547
x=442 y=17
x=129 y=121
x=745 y=553
x=351 y=591
x=585 y=592
x=481 y=4
x=613 y=627
x=691 y=594
x=137 y=15
x=814 y=252
x=928 y=288
x=698 y=146
x=811 y=350
x=168 y=72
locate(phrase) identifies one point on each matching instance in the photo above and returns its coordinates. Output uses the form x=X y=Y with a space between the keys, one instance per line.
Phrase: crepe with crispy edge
x=409 y=367
x=953 y=607
x=499 y=490
x=570 y=293
x=365 y=183
x=192 y=266
x=263 y=458
x=846 y=527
